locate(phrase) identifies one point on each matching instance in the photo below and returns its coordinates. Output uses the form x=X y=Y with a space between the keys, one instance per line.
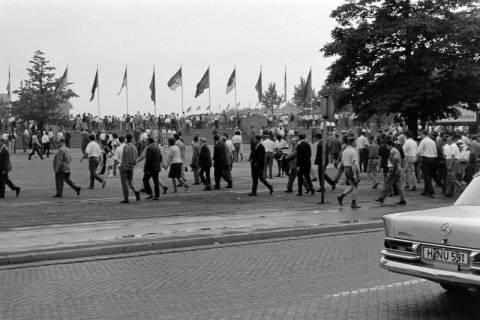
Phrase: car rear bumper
x=464 y=278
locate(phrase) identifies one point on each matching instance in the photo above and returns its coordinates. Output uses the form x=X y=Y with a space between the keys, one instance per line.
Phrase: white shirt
x=237 y=139
x=281 y=144
x=118 y=153
x=427 y=148
x=269 y=145
x=362 y=142
x=45 y=139
x=349 y=157
x=93 y=149
x=410 y=148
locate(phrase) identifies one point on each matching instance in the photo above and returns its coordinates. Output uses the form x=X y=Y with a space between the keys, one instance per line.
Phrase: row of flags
x=176 y=81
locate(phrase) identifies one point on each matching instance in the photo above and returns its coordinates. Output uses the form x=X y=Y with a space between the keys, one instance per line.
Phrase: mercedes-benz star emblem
x=445 y=231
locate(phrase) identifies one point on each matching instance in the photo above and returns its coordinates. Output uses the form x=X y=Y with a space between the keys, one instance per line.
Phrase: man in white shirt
x=237 y=143
x=93 y=153
x=350 y=164
x=410 y=151
x=427 y=150
x=362 y=145
x=45 y=143
x=269 y=146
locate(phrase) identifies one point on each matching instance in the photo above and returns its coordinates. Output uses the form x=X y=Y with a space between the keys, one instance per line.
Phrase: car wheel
x=453 y=288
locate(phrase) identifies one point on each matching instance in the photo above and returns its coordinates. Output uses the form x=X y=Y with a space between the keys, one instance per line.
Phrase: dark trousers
x=35 y=148
x=61 y=177
x=257 y=174
x=5 y=180
x=291 y=179
x=92 y=166
x=221 y=172
x=205 y=176
x=304 y=173
x=363 y=159
x=428 y=165
x=126 y=178
x=156 y=183
x=393 y=181
x=46 y=148
x=104 y=162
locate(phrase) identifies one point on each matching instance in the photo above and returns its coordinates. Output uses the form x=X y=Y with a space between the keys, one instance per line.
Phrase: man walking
x=93 y=153
x=205 y=163
x=257 y=164
x=127 y=163
x=304 y=164
x=322 y=167
x=427 y=149
x=195 y=157
x=151 y=169
x=61 y=167
x=350 y=165
x=36 y=147
x=394 y=175
x=5 y=168
x=220 y=162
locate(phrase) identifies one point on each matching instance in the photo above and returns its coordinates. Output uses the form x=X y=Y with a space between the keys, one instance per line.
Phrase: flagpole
x=209 y=98
x=285 y=84
x=235 y=67
x=181 y=84
x=126 y=84
x=98 y=95
x=311 y=90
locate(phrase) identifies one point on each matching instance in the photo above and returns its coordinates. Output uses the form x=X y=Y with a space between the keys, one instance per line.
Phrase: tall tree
x=271 y=99
x=37 y=98
x=416 y=58
x=299 y=94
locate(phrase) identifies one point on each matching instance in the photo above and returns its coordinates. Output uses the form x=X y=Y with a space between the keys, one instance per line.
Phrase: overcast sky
x=167 y=34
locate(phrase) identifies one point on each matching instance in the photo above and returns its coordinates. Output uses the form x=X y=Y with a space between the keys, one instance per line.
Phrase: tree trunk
x=412 y=125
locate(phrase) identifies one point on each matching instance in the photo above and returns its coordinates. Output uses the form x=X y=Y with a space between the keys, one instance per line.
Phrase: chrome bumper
x=460 y=278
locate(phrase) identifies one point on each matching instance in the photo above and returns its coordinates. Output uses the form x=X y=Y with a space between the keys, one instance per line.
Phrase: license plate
x=445 y=255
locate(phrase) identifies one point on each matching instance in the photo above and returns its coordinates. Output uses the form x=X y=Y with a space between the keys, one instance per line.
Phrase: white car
x=441 y=245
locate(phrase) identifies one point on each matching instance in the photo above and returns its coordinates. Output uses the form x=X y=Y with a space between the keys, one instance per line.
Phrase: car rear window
x=471 y=195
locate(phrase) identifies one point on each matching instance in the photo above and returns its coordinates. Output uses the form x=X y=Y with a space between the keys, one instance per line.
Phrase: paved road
x=330 y=277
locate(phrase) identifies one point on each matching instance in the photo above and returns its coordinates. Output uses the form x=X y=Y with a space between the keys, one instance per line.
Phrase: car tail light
x=400 y=249
x=475 y=260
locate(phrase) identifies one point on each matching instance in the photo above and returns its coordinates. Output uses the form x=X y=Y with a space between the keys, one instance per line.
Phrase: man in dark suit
x=205 y=163
x=318 y=161
x=151 y=169
x=257 y=164
x=61 y=166
x=220 y=162
x=5 y=168
x=304 y=164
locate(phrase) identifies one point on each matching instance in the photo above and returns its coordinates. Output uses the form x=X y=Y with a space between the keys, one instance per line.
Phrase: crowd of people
x=396 y=161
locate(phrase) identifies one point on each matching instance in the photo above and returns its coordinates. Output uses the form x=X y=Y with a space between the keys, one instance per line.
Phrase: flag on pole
x=124 y=81
x=203 y=84
x=62 y=83
x=176 y=80
x=232 y=81
x=8 y=84
x=153 y=95
x=189 y=109
x=198 y=108
x=238 y=104
x=95 y=86
x=285 y=86
x=308 y=88
x=228 y=106
x=258 y=87
x=208 y=108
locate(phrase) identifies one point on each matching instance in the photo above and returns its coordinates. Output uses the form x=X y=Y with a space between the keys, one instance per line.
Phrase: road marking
x=376 y=288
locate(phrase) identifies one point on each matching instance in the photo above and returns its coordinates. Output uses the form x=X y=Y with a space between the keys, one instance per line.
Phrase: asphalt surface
x=326 y=277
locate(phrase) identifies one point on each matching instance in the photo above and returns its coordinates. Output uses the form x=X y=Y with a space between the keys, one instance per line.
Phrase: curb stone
x=136 y=245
